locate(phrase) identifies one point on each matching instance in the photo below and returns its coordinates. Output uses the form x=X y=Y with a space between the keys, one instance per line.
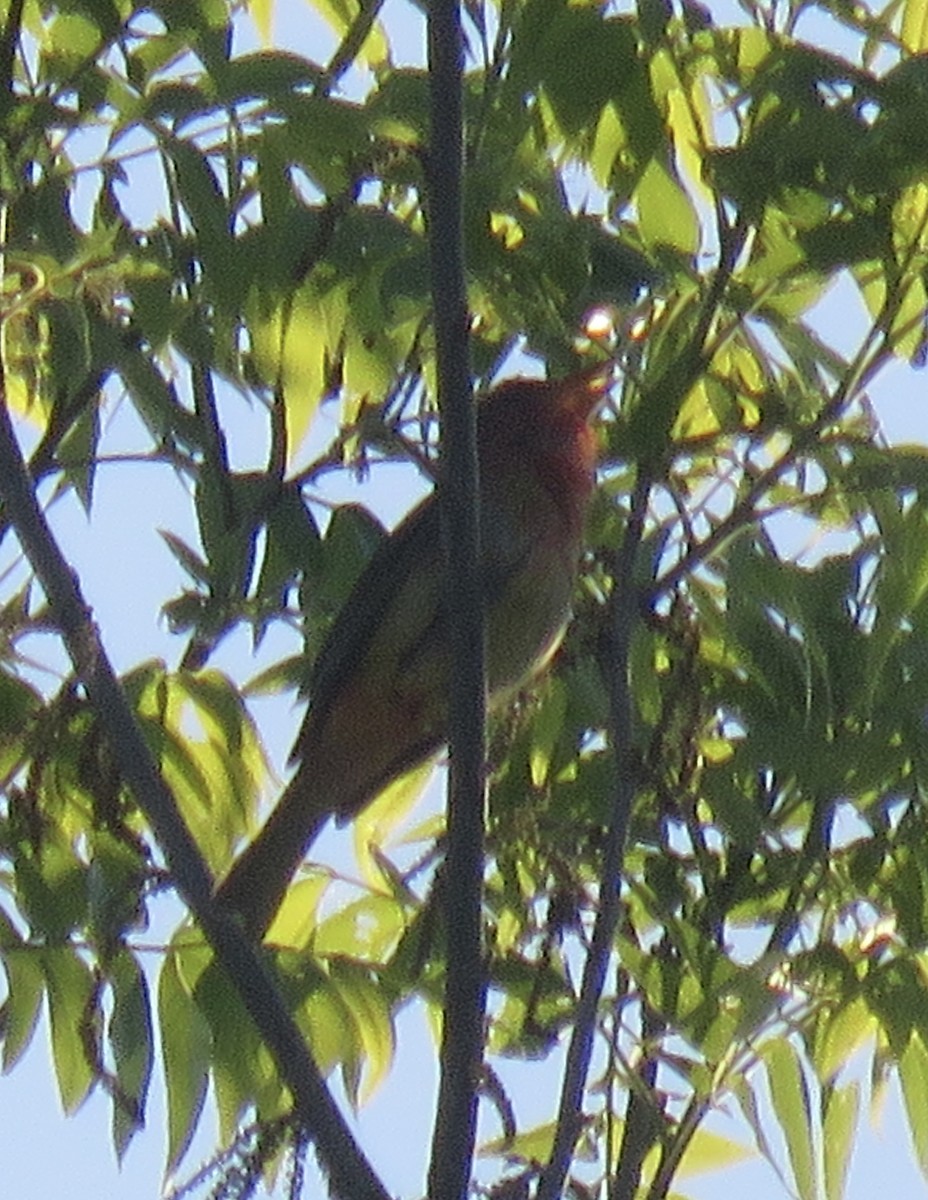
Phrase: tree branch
x=643 y=1115
x=9 y=40
x=351 y=1174
x=624 y=608
x=465 y=987
x=350 y=47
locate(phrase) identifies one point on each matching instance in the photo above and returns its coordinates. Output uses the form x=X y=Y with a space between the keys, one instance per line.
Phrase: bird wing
x=380 y=602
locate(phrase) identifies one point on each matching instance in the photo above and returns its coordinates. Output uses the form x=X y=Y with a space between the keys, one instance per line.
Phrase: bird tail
x=255 y=886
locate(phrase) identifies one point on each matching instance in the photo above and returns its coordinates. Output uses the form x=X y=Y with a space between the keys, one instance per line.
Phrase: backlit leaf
x=789 y=1093
x=69 y=987
x=131 y=1037
x=186 y=1050
x=838 y=1131
x=913 y=1074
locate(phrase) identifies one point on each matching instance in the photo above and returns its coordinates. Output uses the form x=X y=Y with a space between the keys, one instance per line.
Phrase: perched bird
x=378 y=693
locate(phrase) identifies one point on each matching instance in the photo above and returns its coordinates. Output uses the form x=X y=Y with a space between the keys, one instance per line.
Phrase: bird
x=378 y=691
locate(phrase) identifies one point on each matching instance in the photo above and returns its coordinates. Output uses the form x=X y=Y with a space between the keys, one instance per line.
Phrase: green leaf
x=25 y=987
x=546 y=730
x=708 y=1151
x=789 y=1092
x=751 y=1108
x=610 y=141
x=131 y=1037
x=350 y=540
x=19 y=701
x=78 y=452
x=373 y=52
x=52 y=887
x=193 y=564
x=374 y=1032
x=379 y=819
x=846 y=1031
x=845 y=241
x=293 y=340
x=293 y=547
x=666 y=216
x=913 y=1074
x=326 y=1021
x=225 y=719
x=242 y=1067
x=281 y=676
x=895 y=991
x=117 y=870
x=295 y=920
x=202 y=196
x=367 y=930
x=70 y=353
x=73 y=38
x=186 y=1050
x=328 y=138
x=559 y=44
x=533 y=1146
x=915 y=26
x=70 y=986
x=272 y=74
x=154 y=398
x=842 y=1109
x=529 y=1146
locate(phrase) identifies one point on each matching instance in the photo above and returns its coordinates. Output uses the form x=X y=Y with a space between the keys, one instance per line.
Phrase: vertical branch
x=644 y=1118
x=570 y=1110
x=9 y=40
x=462 y=1035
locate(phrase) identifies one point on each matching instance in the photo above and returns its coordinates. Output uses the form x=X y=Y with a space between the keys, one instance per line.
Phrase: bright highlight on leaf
x=599 y=324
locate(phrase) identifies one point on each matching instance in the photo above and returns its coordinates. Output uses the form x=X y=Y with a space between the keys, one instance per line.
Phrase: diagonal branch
x=351 y=1175
x=465 y=987
x=350 y=47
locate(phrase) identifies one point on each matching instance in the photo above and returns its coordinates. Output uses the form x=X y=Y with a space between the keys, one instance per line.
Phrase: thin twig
x=806 y=878
x=677 y=1144
x=350 y=46
x=871 y=357
x=465 y=986
x=687 y=370
x=624 y=613
x=744 y=512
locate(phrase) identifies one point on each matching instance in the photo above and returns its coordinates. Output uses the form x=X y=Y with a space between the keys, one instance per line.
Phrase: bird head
x=547 y=424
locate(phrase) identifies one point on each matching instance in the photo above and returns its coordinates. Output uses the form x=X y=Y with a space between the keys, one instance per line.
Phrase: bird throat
x=567 y=466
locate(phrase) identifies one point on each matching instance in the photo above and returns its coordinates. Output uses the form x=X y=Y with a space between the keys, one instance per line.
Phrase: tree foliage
x=775 y=882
